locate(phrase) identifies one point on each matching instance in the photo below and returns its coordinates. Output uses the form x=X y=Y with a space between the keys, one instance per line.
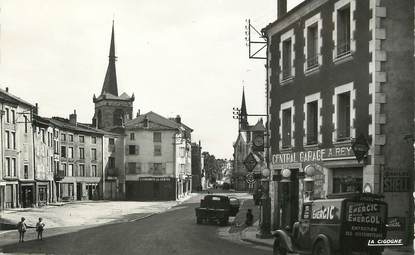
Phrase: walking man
x=39 y=228
x=21 y=227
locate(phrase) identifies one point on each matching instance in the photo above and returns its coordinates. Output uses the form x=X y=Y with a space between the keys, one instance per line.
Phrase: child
x=39 y=228
x=21 y=227
x=249 y=218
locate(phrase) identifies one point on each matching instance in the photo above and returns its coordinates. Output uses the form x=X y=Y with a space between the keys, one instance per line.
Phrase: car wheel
x=320 y=249
x=278 y=249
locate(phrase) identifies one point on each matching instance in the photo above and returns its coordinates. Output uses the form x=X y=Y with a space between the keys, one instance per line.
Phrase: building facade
x=157 y=158
x=18 y=183
x=196 y=166
x=80 y=174
x=45 y=160
x=341 y=73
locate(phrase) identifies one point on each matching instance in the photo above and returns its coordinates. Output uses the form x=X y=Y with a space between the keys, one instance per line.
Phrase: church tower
x=111 y=110
x=243 y=117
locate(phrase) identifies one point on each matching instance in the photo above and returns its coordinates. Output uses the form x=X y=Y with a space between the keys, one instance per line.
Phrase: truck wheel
x=278 y=249
x=320 y=249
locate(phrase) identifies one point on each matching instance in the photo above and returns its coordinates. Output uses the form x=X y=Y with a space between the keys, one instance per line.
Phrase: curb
x=245 y=239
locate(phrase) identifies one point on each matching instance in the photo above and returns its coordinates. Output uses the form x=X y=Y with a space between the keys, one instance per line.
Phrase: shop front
x=27 y=193
x=151 y=189
x=42 y=193
x=298 y=177
x=10 y=195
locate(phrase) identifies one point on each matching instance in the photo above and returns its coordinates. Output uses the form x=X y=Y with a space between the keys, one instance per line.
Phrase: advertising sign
x=365 y=220
x=326 y=212
x=313 y=156
x=250 y=162
x=396 y=181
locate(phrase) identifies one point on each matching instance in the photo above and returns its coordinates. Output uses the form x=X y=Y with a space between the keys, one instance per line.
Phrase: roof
x=14 y=99
x=124 y=97
x=156 y=121
x=110 y=81
x=289 y=13
x=64 y=124
x=259 y=126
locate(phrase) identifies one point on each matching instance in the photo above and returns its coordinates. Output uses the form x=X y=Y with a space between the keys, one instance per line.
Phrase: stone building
x=340 y=72
x=81 y=175
x=157 y=158
x=45 y=160
x=17 y=181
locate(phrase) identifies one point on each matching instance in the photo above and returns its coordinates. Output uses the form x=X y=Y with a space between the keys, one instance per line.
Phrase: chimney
x=72 y=118
x=178 y=119
x=281 y=8
x=7 y=89
x=36 y=111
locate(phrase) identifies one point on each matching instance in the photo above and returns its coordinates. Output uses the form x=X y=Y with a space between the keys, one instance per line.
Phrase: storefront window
x=347 y=180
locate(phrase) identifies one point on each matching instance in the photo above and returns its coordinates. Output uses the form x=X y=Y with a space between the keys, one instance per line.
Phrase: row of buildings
x=118 y=156
x=340 y=77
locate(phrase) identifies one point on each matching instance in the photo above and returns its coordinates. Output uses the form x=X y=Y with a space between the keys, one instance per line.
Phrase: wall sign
x=313 y=155
x=157 y=179
x=396 y=181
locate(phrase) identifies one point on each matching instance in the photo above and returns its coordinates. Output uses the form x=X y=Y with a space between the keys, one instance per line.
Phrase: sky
x=182 y=57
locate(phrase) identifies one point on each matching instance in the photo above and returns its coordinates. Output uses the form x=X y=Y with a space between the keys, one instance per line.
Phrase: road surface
x=171 y=232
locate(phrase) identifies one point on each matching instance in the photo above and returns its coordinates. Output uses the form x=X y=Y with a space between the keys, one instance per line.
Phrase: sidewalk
x=249 y=235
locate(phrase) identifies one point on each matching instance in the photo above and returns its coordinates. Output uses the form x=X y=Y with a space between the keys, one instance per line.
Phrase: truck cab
x=341 y=224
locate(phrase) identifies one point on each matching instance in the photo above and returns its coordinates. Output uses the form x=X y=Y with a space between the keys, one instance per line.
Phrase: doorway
x=79 y=191
x=288 y=200
x=27 y=196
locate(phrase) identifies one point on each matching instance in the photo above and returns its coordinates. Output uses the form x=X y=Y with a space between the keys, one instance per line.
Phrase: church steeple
x=110 y=82
x=243 y=121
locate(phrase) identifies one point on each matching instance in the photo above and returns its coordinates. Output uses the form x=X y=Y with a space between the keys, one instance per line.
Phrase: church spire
x=110 y=82
x=243 y=121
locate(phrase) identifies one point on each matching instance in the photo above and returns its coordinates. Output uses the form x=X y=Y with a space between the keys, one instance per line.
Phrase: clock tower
x=112 y=110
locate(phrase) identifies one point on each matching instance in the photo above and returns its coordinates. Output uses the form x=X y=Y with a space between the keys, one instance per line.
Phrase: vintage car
x=217 y=208
x=341 y=224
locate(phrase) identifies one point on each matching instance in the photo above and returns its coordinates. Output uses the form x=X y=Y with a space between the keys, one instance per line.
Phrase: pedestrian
x=21 y=227
x=39 y=228
x=249 y=218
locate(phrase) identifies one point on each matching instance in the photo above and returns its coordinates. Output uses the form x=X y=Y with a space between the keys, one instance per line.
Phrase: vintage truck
x=216 y=208
x=342 y=224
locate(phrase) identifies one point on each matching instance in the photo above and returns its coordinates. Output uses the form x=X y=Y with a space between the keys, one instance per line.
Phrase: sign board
x=396 y=181
x=365 y=220
x=250 y=162
x=360 y=147
x=250 y=178
x=157 y=179
x=313 y=156
x=396 y=224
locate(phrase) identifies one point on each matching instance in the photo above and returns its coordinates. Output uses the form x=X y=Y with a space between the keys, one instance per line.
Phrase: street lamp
x=309 y=181
x=265 y=222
